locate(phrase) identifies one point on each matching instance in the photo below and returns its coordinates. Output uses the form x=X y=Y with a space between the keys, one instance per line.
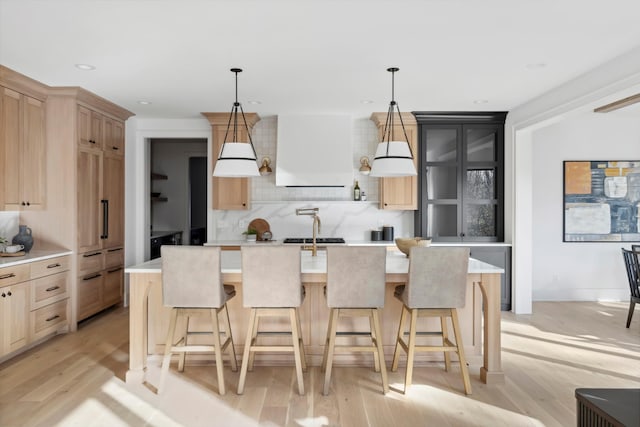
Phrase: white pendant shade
x=236 y=159
x=396 y=162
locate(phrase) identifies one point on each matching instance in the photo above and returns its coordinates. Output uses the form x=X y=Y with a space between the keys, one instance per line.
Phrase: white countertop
x=397 y=263
x=33 y=255
x=242 y=242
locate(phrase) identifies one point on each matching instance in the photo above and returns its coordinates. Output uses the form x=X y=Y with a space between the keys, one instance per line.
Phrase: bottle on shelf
x=356 y=191
x=363 y=196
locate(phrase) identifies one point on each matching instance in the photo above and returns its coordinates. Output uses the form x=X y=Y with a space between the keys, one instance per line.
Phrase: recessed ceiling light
x=480 y=101
x=85 y=67
x=366 y=101
x=255 y=102
x=535 y=65
x=144 y=102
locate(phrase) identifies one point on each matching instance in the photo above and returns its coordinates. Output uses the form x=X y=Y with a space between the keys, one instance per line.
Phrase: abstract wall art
x=601 y=201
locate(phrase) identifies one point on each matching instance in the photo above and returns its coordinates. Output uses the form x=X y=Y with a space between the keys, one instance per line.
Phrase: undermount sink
x=319 y=240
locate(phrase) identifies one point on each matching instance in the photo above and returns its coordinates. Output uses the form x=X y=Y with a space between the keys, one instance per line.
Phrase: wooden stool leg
x=445 y=338
x=376 y=358
x=218 y=349
x=333 y=322
x=227 y=328
x=302 y=353
x=183 y=355
x=396 y=353
x=411 y=350
x=247 y=351
x=327 y=340
x=378 y=340
x=295 y=336
x=254 y=338
x=460 y=345
x=166 y=360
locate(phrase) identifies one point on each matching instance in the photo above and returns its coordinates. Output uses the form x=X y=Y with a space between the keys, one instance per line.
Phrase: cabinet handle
x=90 y=255
x=53 y=288
x=28 y=204
x=9 y=293
x=54 y=265
x=114 y=250
x=114 y=270
x=7 y=276
x=24 y=204
x=52 y=318
x=105 y=219
x=115 y=148
x=4 y=295
x=92 y=276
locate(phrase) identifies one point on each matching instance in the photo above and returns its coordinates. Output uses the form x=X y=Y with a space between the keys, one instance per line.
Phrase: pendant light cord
x=389 y=128
x=234 y=116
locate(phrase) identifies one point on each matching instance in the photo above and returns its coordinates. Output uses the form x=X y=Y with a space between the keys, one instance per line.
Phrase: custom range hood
x=314 y=151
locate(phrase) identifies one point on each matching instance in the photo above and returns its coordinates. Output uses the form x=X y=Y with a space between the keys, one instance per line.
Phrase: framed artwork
x=601 y=201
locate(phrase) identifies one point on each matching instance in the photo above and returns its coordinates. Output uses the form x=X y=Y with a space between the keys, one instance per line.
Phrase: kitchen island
x=480 y=318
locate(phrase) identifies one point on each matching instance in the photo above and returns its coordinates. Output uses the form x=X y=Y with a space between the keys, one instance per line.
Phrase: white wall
x=576 y=271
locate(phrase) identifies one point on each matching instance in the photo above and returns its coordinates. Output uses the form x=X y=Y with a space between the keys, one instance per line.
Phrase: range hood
x=314 y=151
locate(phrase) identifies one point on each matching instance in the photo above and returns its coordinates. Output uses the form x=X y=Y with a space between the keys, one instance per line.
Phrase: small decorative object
x=251 y=234
x=23 y=238
x=405 y=244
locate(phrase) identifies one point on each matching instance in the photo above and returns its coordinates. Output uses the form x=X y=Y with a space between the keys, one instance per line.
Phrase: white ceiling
x=313 y=56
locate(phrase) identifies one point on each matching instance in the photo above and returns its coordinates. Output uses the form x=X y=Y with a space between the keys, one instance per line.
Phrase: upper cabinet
x=399 y=193
x=229 y=193
x=22 y=143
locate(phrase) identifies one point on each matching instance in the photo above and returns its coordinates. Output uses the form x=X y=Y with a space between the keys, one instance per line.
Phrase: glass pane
x=481 y=145
x=442 y=221
x=480 y=220
x=442 y=183
x=441 y=145
x=481 y=184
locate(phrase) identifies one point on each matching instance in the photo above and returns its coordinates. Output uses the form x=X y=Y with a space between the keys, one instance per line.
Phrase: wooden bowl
x=405 y=244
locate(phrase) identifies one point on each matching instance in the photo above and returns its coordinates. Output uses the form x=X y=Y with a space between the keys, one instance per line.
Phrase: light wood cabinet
x=34 y=302
x=229 y=193
x=399 y=193
x=113 y=196
x=89 y=189
x=22 y=143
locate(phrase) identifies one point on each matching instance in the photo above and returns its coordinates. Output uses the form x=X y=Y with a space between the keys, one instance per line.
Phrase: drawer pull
x=52 y=318
x=93 y=254
x=54 y=265
x=7 y=276
x=114 y=270
x=114 y=250
x=92 y=276
x=53 y=288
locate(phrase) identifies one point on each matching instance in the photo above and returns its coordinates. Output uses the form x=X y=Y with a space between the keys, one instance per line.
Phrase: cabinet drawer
x=90 y=290
x=90 y=262
x=113 y=280
x=15 y=274
x=49 y=266
x=49 y=319
x=114 y=257
x=47 y=290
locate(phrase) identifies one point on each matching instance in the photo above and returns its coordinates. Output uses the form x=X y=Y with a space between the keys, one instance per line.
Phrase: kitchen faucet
x=315 y=227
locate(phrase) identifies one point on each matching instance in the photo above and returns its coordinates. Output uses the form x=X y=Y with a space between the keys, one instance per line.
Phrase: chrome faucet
x=316 y=227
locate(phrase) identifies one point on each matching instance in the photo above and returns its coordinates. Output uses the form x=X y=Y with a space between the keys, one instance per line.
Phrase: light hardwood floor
x=78 y=380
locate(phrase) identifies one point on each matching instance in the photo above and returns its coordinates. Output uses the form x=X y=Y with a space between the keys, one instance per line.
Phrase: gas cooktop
x=319 y=240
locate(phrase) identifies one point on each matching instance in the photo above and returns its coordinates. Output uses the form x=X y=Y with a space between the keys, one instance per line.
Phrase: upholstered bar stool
x=192 y=286
x=272 y=287
x=436 y=288
x=355 y=288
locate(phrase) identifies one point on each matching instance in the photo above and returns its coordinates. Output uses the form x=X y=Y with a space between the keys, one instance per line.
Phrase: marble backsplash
x=350 y=220
x=9 y=224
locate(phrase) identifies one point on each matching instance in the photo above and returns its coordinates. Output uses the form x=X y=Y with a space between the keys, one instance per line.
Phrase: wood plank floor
x=78 y=380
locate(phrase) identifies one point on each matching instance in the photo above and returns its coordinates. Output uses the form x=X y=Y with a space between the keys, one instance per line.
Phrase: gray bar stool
x=436 y=288
x=192 y=286
x=272 y=287
x=355 y=288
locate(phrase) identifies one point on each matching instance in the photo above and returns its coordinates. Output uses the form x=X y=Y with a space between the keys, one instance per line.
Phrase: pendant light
x=236 y=159
x=393 y=157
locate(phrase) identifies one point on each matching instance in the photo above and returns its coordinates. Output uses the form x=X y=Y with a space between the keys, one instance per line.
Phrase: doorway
x=198 y=200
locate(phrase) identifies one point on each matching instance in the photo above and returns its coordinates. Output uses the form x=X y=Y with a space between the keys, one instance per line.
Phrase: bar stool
x=436 y=288
x=192 y=286
x=355 y=288
x=272 y=287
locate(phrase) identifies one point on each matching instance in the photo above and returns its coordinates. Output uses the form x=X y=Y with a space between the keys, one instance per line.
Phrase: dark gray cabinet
x=499 y=256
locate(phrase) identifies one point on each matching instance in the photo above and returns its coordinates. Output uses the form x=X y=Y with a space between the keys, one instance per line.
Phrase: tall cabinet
x=229 y=193
x=85 y=208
